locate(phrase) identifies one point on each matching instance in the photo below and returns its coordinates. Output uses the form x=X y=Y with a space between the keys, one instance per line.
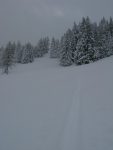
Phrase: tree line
x=87 y=42
x=14 y=53
x=84 y=43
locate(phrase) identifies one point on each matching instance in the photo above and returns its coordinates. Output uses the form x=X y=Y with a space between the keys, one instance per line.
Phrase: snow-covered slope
x=47 y=107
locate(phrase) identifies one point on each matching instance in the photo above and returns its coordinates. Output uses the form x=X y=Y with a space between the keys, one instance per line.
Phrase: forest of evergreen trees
x=86 y=42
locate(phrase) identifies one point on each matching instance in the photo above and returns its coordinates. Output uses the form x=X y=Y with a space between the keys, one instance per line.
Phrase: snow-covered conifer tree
x=103 y=31
x=46 y=44
x=41 y=51
x=36 y=53
x=66 y=50
x=8 y=57
x=109 y=45
x=27 y=55
x=18 y=52
x=58 y=48
x=75 y=35
x=1 y=54
x=54 y=48
x=53 y=52
x=85 y=45
x=111 y=26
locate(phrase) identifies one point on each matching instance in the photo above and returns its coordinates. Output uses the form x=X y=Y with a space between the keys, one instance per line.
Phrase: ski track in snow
x=72 y=136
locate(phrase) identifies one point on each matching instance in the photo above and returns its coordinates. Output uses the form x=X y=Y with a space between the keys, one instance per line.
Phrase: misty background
x=29 y=20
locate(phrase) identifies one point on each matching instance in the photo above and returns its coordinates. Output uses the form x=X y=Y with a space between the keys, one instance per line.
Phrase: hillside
x=44 y=106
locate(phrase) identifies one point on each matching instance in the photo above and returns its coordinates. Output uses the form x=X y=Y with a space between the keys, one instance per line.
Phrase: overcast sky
x=28 y=20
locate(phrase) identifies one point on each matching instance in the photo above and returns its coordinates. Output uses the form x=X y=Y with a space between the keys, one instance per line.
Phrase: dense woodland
x=84 y=43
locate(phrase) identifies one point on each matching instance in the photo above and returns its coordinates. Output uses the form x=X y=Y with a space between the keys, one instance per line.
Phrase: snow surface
x=47 y=107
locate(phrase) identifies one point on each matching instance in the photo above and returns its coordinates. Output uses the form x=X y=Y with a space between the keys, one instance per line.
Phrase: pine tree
x=18 y=52
x=75 y=35
x=111 y=26
x=66 y=50
x=109 y=45
x=85 y=46
x=54 y=48
x=14 y=49
x=103 y=32
x=8 y=57
x=53 y=53
x=36 y=53
x=1 y=54
x=41 y=49
x=61 y=45
x=27 y=56
x=46 y=44
x=58 y=48
x=96 y=41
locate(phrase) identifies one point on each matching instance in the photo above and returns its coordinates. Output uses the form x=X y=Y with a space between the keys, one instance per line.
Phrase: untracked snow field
x=44 y=106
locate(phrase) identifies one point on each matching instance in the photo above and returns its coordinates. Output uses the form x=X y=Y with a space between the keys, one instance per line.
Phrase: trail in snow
x=72 y=136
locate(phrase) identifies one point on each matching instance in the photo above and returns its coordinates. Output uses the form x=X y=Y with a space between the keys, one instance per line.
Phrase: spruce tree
x=36 y=53
x=85 y=46
x=66 y=50
x=111 y=26
x=8 y=57
x=103 y=32
x=58 y=48
x=1 y=54
x=75 y=35
x=27 y=56
x=109 y=45
x=46 y=44
x=54 y=48
x=41 y=49
x=18 y=52
x=96 y=41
